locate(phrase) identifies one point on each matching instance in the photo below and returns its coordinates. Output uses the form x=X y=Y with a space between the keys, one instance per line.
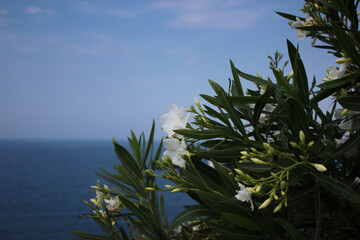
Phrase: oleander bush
x=264 y=163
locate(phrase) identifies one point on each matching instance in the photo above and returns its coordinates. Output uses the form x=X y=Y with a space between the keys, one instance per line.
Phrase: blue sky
x=96 y=69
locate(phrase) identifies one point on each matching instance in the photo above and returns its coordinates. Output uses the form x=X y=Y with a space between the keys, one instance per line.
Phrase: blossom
x=211 y=164
x=112 y=203
x=99 y=197
x=174 y=150
x=244 y=195
x=351 y=119
x=333 y=73
x=301 y=33
x=174 y=120
x=263 y=116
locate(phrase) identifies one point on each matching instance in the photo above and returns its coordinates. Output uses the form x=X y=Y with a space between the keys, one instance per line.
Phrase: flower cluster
x=175 y=143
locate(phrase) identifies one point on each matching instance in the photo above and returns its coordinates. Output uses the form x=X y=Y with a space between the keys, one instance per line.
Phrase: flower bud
x=168 y=186
x=302 y=137
x=290 y=75
x=257 y=161
x=96 y=187
x=258 y=75
x=106 y=187
x=258 y=188
x=266 y=203
x=319 y=167
x=294 y=145
x=244 y=153
x=342 y=60
x=345 y=112
x=311 y=144
x=176 y=190
x=326 y=79
x=150 y=189
x=238 y=171
x=278 y=207
x=266 y=145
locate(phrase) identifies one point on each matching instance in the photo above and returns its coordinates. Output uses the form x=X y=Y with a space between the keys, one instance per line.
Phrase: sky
x=95 y=69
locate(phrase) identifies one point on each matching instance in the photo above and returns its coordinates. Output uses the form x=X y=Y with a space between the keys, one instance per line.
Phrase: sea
x=43 y=183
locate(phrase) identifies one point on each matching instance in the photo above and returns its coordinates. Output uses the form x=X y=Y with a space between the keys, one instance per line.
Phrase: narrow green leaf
x=242 y=221
x=351 y=143
x=126 y=159
x=205 y=134
x=288 y=16
x=150 y=142
x=253 y=79
x=91 y=236
x=351 y=102
x=339 y=82
x=259 y=106
x=239 y=89
x=234 y=233
x=228 y=106
x=192 y=213
x=290 y=228
x=300 y=78
x=248 y=99
x=318 y=210
x=257 y=168
x=336 y=187
x=228 y=180
x=347 y=44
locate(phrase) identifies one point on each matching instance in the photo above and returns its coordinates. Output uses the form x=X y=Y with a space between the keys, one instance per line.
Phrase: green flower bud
x=266 y=203
x=278 y=207
x=302 y=137
x=319 y=167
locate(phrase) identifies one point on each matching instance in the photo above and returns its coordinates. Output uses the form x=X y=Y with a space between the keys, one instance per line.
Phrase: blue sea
x=43 y=182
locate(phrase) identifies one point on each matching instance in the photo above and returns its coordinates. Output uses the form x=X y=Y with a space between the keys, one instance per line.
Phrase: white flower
x=174 y=150
x=351 y=119
x=112 y=203
x=333 y=73
x=263 y=116
x=244 y=195
x=99 y=197
x=174 y=120
x=211 y=164
x=301 y=33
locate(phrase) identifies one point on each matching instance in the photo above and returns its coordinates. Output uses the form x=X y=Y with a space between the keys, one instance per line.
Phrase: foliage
x=261 y=164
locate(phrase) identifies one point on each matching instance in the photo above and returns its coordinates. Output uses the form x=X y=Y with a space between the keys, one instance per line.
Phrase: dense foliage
x=261 y=164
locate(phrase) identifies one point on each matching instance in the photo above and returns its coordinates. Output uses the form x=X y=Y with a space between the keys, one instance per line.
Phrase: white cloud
x=102 y=10
x=3 y=20
x=211 y=13
x=3 y=11
x=38 y=10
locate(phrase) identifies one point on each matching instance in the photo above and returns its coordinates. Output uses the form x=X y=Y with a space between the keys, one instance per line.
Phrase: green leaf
x=205 y=134
x=253 y=79
x=347 y=44
x=91 y=236
x=350 y=102
x=318 y=210
x=248 y=99
x=228 y=180
x=257 y=168
x=351 y=143
x=288 y=16
x=300 y=78
x=192 y=213
x=233 y=232
x=315 y=28
x=127 y=160
x=228 y=106
x=242 y=221
x=259 y=106
x=290 y=228
x=239 y=89
x=338 y=82
x=230 y=153
x=336 y=187
x=298 y=118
